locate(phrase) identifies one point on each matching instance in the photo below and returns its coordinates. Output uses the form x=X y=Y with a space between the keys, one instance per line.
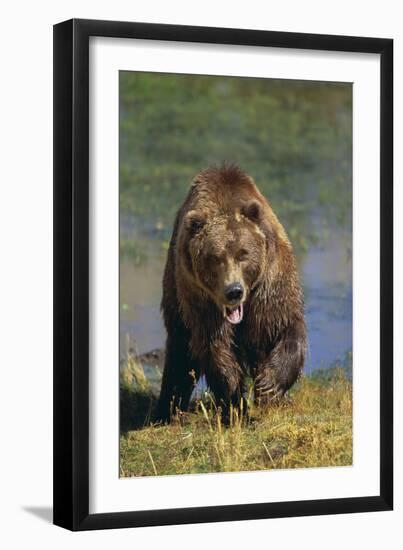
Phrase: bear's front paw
x=267 y=389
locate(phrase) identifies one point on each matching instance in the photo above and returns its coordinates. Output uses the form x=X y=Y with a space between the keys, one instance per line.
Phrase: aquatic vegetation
x=294 y=137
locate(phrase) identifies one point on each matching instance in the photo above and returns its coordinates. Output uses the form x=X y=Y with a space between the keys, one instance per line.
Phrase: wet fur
x=270 y=342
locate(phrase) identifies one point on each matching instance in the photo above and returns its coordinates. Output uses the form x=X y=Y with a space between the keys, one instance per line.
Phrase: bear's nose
x=234 y=292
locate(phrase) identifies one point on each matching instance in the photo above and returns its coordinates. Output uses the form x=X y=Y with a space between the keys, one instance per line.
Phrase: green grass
x=311 y=429
x=293 y=137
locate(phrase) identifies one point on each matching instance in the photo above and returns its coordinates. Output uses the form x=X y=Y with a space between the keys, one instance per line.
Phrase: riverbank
x=311 y=429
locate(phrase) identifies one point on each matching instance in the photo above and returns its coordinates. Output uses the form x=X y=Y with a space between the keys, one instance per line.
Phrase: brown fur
x=226 y=231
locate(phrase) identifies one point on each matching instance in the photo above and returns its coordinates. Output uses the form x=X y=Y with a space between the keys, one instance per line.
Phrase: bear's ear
x=194 y=221
x=252 y=210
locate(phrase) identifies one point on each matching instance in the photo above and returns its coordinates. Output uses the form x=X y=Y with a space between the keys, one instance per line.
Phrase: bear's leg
x=277 y=372
x=224 y=377
x=178 y=379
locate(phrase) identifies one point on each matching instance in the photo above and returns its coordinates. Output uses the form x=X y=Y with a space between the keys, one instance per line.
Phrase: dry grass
x=313 y=429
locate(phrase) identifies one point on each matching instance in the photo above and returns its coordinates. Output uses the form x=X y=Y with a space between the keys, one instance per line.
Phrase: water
x=293 y=137
x=327 y=281
x=325 y=272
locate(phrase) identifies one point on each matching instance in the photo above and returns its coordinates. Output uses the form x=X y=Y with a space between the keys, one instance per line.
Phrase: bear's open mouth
x=234 y=314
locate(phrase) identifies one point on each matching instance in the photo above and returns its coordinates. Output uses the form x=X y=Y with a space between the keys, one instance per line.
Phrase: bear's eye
x=213 y=260
x=242 y=255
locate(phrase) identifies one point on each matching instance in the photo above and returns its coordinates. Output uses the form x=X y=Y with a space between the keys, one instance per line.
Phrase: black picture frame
x=71 y=274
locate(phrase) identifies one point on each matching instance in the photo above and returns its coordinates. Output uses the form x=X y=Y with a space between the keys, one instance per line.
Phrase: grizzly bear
x=232 y=303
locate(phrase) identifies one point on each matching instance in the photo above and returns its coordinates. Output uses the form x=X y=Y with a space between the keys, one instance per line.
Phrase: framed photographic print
x=223 y=237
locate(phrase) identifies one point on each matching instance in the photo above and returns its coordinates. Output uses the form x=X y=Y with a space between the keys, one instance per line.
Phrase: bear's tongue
x=235 y=315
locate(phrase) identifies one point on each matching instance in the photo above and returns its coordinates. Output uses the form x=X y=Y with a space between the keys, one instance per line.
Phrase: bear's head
x=227 y=254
